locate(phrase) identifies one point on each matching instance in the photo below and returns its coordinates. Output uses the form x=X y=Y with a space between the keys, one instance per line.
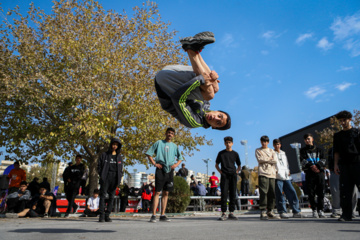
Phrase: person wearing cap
x=16 y=176
x=110 y=167
x=185 y=91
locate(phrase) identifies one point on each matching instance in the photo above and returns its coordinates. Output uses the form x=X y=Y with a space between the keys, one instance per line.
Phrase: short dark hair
x=228 y=122
x=78 y=156
x=276 y=141
x=96 y=191
x=45 y=179
x=228 y=138
x=308 y=135
x=344 y=114
x=264 y=138
x=23 y=183
x=213 y=172
x=17 y=162
x=170 y=129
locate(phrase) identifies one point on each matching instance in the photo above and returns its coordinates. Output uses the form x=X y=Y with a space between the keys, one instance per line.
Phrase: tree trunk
x=93 y=175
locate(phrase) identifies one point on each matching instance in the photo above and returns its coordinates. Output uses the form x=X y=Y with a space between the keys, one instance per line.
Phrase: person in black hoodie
x=73 y=178
x=45 y=184
x=313 y=163
x=66 y=176
x=34 y=186
x=110 y=166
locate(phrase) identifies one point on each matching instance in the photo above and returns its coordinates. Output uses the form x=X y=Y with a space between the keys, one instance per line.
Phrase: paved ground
x=198 y=226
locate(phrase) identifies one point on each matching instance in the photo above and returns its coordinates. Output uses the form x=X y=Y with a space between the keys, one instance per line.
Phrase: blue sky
x=282 y=64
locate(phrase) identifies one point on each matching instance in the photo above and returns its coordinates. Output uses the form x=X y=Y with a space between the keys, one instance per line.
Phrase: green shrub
x=179 y=198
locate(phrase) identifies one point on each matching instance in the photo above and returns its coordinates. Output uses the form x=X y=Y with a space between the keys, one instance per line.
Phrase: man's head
x=45 y=179
x=264 y=141
x=277 y=144
x=96 y=193
x=114 y=146
x=183 y=165
x=78 y=159
x=169 y=134
x=309 y=139
x=344 y=118
x=219 y=120
x=23 y=186
x=36 y=179
x=42 y=191
x=16 y=165
x=228 y=141
x=213 y=173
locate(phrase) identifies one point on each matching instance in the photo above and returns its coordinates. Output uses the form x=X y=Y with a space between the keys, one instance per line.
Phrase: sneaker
x=284 y=216
x=223 y=217
x=231 y=216
x=108 y=219
x=343 y=219
x=46 y=215
x=102 y=218
x=271 y=215
x=66 y=215
x=11 y=215
x=315 y=214
x=335 y=215
x=164 y=219
x=321 y=214
x=197 y=42
x=263 y=216
x=153 y=219
x=298 y=215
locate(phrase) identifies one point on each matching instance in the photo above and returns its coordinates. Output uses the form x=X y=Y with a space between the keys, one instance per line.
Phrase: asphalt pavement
x=186 y=226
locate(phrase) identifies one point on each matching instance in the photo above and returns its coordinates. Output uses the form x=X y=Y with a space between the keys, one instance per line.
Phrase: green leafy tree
x=72 y=79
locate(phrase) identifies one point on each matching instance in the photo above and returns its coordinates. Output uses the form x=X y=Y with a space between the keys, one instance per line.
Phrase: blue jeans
x=290 y=193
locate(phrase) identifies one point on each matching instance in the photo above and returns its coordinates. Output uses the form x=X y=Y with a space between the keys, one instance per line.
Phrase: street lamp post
x=207 y=160
x=297 y=147
x=244 y=143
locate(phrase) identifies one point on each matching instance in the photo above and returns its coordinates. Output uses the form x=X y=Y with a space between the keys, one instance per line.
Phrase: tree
x=75 y=78
x=325 y=136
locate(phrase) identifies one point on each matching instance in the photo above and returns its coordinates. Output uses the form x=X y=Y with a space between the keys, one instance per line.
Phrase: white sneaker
x=315 y=214
x=298 y=215
x=321 y=214
x=284 y=216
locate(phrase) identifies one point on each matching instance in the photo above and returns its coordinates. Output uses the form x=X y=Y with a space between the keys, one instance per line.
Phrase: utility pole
x=207 y=160
x=244 y=143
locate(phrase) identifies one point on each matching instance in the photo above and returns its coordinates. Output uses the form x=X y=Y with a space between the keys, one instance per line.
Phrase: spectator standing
x=66 y=176
x=45 y=184
x=34 y=186
x=347 y=162
x=245 y=175
x=92 y=205
x=17 y=201
x=228 y=159
x=267 y=160
x=146 y=198
x=214 y=181
x=313 y=163
x=183 y=172
x=166 y=153
x=283 y=184
x=83 y=181
x=110 y=168
x=124 y=196
x=16 y=176
x=256 y=191
x=73 y=178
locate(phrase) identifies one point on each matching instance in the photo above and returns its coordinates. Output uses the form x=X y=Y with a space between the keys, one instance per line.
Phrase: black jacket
x=103 y=163
x=312 y=155
x=75 y=173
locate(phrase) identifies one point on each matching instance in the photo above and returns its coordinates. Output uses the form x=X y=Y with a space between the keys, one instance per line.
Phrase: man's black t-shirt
x=40 y=208
x=347 y=144
x=227 y=160
x=113 y=164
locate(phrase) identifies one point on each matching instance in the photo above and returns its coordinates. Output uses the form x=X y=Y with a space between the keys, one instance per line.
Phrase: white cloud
x=342 y=68
x=269 y=35
x=344 y=86
x=264 y=52
x=347 y=32
x=303 y=37
x=228 y=40
x=324 y=44
x=315 y=91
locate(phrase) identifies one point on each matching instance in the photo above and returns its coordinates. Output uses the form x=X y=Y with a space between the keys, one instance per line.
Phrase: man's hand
x=69 y=180
x=159 y=166
x=214 y=76
x=173 y=166
x=314 y=169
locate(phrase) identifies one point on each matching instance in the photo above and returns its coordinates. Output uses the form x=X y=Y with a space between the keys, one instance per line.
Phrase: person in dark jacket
x=76 y=171
x=66 y=176
x=313 y=163
x=110 y=166
x=124 y=196
x=45 y=184
x=34 y=186
x=183 y=172
x=185 y=91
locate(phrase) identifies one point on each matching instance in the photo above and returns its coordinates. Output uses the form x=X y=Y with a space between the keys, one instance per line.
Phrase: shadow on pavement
x=59 y=230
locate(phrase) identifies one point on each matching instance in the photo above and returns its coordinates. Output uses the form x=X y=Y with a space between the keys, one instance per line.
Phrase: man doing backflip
x=185 y=91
